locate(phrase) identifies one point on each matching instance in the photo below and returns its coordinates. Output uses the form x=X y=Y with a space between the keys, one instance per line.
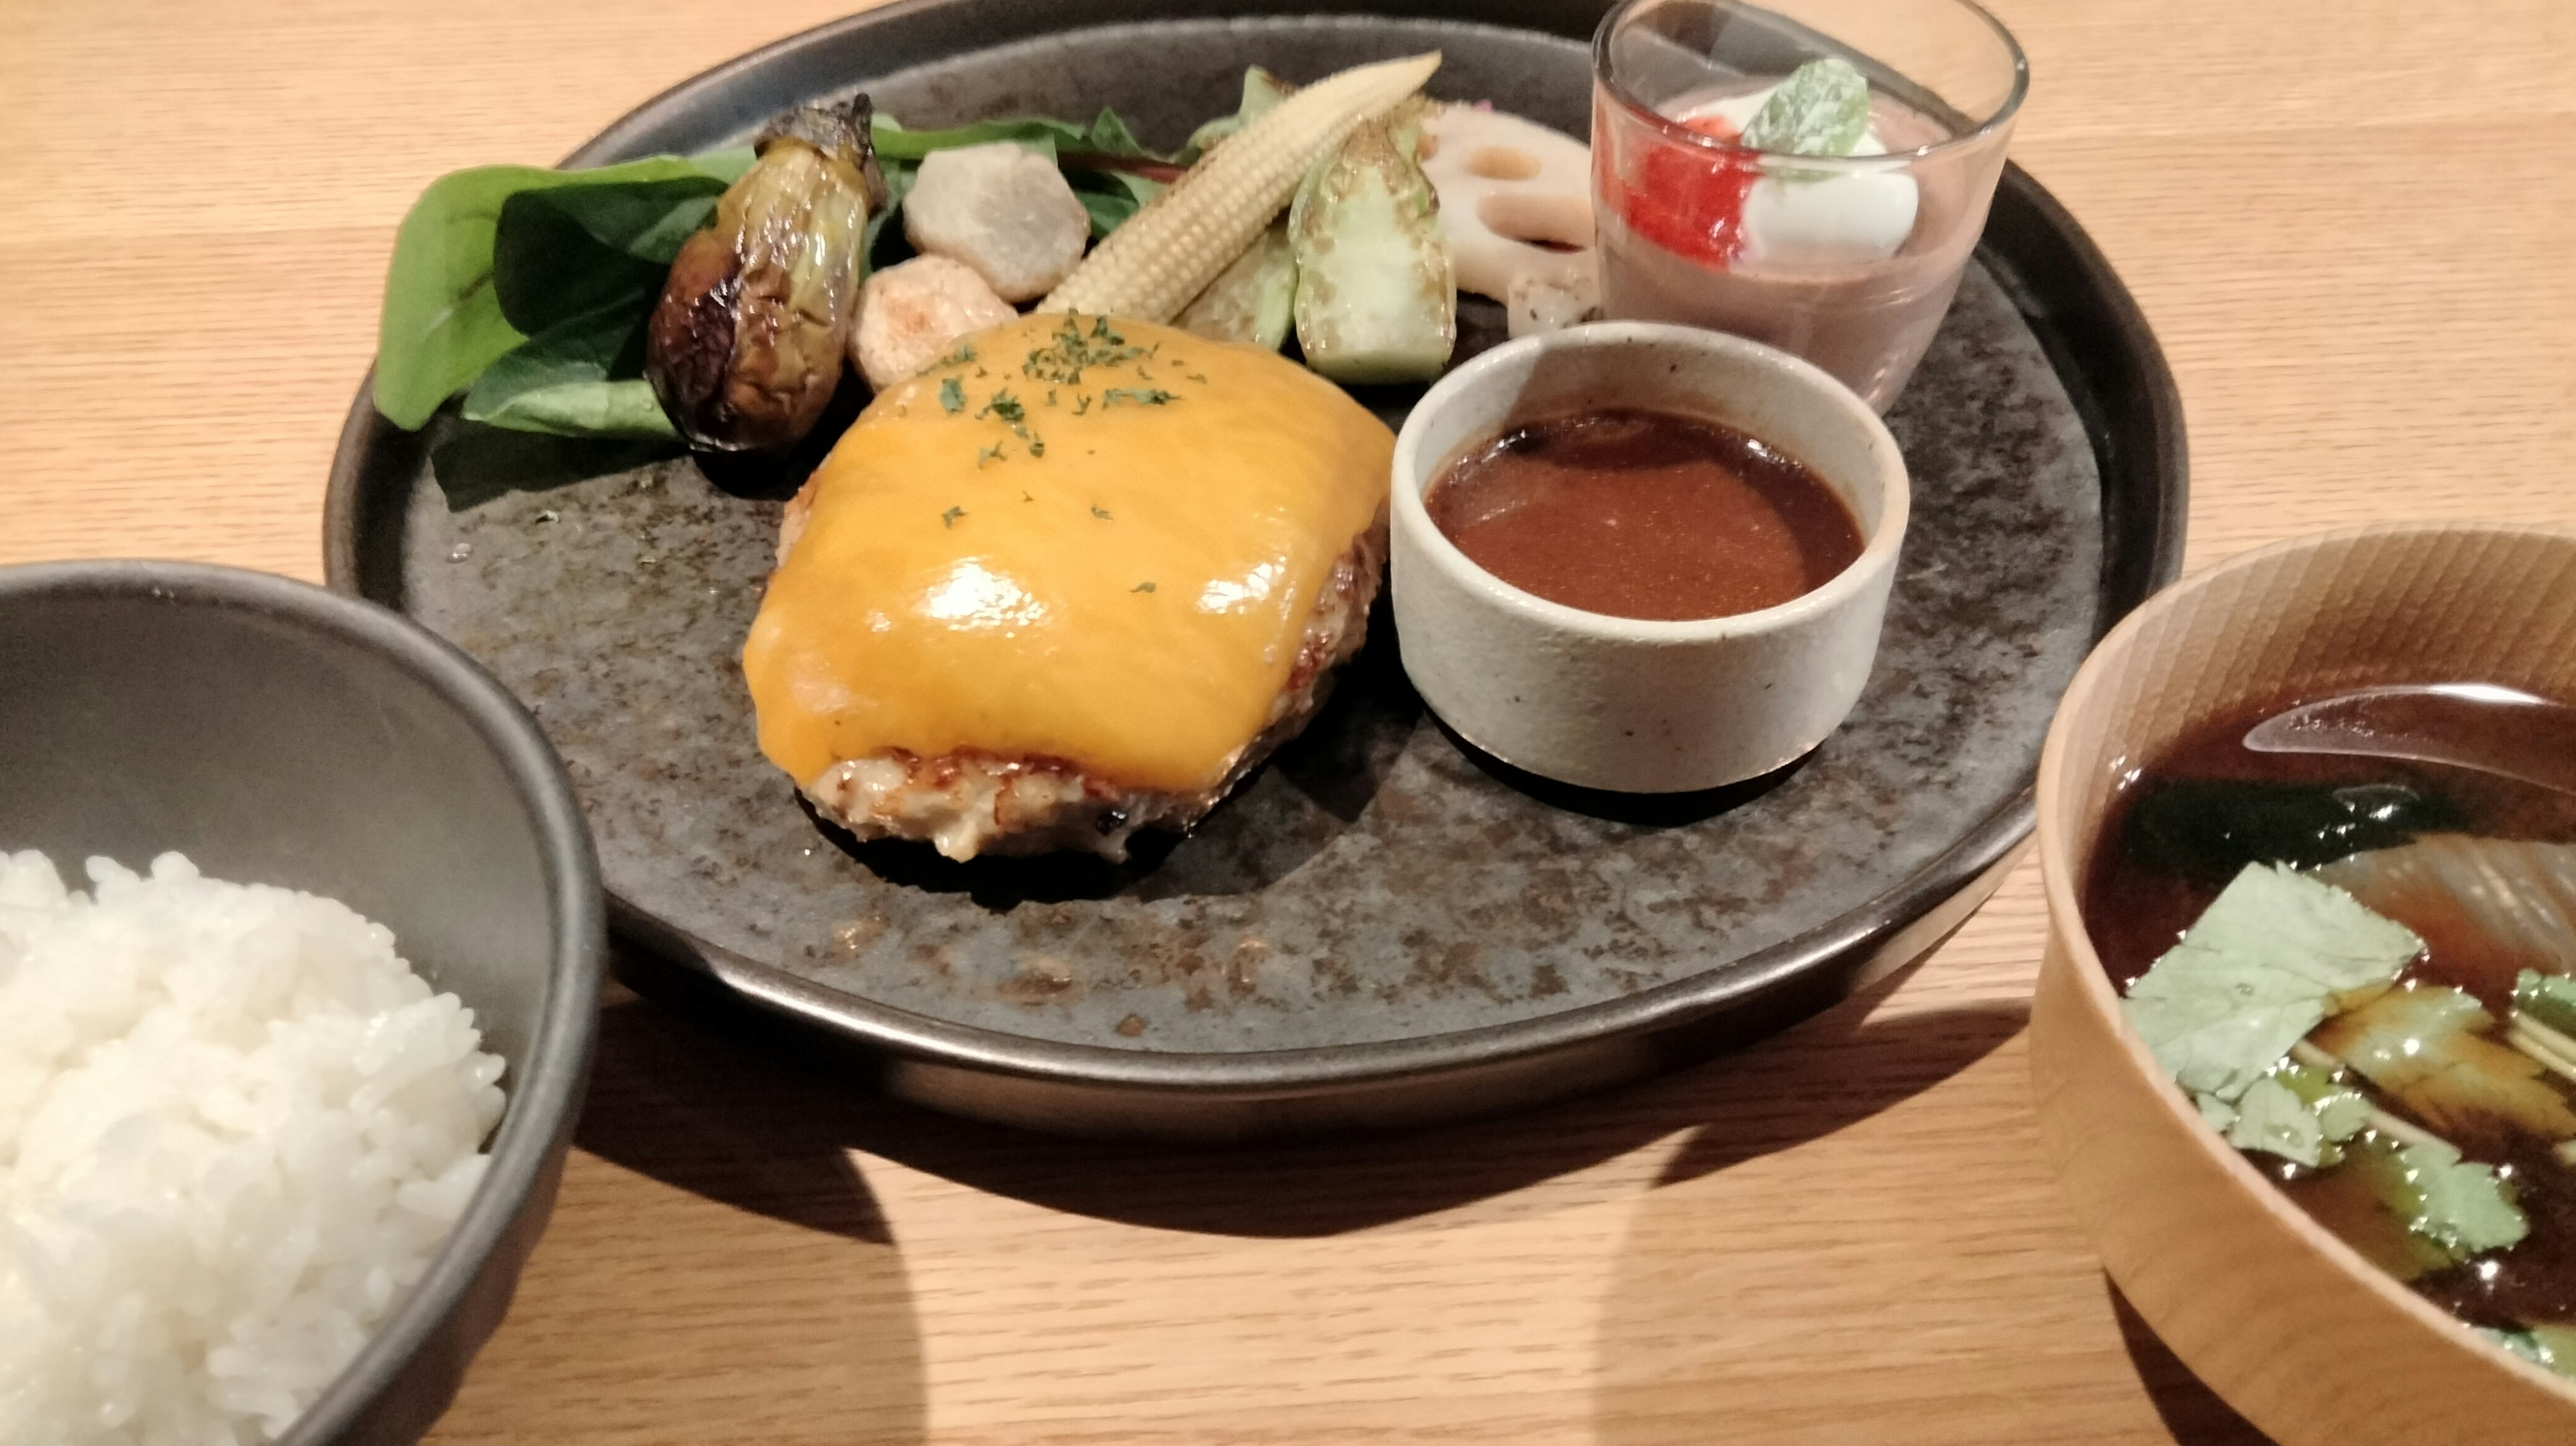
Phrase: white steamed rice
x=234 y=1128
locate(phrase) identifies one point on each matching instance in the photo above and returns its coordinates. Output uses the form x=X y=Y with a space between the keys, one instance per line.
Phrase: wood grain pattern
x=2347 y=220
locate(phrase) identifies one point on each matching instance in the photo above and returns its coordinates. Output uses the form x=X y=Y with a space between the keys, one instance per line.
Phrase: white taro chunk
x=1003 y=210
x=911 y=315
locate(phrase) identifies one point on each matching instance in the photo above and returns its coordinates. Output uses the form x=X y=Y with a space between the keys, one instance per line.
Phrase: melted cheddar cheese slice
x=1072 y=538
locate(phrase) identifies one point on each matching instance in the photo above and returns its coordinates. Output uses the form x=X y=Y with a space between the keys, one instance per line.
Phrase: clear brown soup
x=1644 y=514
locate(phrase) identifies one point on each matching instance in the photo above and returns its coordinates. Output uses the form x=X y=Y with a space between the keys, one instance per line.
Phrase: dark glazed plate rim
x=2091 y=329
x=551 y=1079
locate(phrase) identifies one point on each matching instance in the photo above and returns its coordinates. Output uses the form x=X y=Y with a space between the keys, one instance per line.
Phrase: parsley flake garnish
x=1100 y=512
x=1037 y=444
x=965 y=353
x=952 y=396
x=992 y=453
x=1071 y=350
x=1141 y=396
x=1142 y=587
x=1004 y=406
x=949 y=517
x=1085 y=399
x=1050 y=396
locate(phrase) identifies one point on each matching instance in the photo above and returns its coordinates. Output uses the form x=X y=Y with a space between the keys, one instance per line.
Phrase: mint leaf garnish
x=2272 y=956
x=1822 y=109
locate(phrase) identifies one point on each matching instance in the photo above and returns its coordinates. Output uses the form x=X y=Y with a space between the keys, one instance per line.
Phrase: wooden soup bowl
x=2293 y=1327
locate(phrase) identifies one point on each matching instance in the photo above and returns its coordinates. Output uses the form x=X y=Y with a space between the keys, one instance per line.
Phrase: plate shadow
x=1816 y=1078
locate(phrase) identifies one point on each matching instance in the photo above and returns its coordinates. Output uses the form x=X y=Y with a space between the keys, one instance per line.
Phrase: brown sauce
x=1644 y=514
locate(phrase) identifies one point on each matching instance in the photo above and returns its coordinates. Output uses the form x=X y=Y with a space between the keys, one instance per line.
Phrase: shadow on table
x=2191 y=1410
x=645 y=1309
x=1841 y=1066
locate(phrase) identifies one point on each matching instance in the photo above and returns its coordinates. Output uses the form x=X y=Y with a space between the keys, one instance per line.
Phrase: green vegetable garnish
x=492 y=258
x=2459 y=1206
x=2551 y=1347
x=1822 y=109
x=2294 y=1112
x=2272 y=956
x=565 y=381
x=1142 y=587
x=558 y=271
x=949 y=517
x=1141 y=396
x=2549 y=998
x=1100 y=512
x=952 y=396
x=2343 y=1113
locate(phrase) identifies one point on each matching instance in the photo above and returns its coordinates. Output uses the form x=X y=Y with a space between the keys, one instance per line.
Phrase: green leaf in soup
x=2209 y=829
x=576 y=379
x=2549 y=998
x=2462 y=1207
x=2551 y=1347
x=1822 y=109
x=442 y=322
x=2272 y=1119
x=2270 y=958
x=2342 y=1113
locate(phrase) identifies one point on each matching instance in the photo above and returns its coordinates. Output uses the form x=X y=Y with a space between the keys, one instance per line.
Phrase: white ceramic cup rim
x=1883 y=538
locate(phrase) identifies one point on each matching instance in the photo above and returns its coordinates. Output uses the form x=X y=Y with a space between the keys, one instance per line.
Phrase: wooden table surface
x=2349 y=222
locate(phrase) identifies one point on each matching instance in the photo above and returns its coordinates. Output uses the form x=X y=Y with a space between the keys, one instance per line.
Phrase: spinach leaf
x=548 y=268
x=899 y=176
x=1107 y=135
x=443 y=320
x=1111 y=197
x=578 y=378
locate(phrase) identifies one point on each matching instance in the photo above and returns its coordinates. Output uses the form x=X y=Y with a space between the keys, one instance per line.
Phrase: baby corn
x=1168 y=252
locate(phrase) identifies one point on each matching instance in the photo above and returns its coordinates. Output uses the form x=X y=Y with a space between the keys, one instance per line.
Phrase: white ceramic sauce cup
x=1619 y=703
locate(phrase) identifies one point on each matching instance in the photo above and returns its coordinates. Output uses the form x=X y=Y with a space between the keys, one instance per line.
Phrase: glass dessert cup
x=1848 y=260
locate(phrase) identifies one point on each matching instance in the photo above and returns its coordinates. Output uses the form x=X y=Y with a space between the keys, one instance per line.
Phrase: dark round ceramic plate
x=1381 y=925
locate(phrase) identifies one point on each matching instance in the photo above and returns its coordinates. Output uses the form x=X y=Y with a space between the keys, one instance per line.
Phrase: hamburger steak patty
x=968 y=801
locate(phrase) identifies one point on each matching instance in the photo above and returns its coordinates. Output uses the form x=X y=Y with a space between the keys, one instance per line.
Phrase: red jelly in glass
x=1690 y=199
